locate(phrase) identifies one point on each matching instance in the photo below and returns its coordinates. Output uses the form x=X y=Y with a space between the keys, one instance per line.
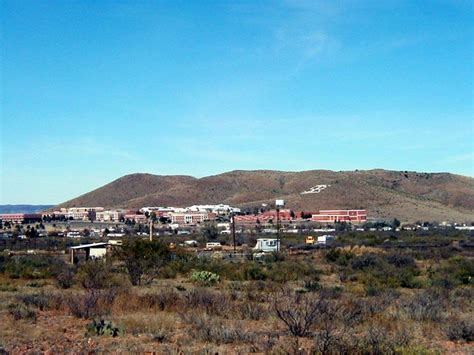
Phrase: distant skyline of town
x=92 y=91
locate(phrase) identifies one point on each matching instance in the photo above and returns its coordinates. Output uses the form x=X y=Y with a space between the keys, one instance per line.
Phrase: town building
x=191 y=218
x=18 y=218
x=332 y=216
x=108 y=216
x=137 y=218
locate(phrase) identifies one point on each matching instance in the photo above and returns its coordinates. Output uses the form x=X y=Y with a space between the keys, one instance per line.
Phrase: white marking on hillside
x=315 y=189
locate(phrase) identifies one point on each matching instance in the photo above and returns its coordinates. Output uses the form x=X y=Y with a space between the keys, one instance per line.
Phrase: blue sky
x=93 y=90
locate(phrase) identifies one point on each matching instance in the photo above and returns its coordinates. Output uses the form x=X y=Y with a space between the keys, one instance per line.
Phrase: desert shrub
x=460 y=330
x=291 y=270
x=254 y=272
x=377 y=340
x=4 y=259
x=7 y=288
x=20 y=311
x=144 y=259
x=163 y=300
x=462 y=269
x=214 y=330
x=92 y=303
x=401 y=260
x=205 y=278
x=331 y=292
x=42 y=301
x=311 y=285
x=426 y=306
x=84 y=306
x=212 y=303
x=33 y=267
x=103 y=327
x=299 y=312
x=94 y=275
x=338 y=256
x=252 y=311
x=65 y=279
x=365 y=261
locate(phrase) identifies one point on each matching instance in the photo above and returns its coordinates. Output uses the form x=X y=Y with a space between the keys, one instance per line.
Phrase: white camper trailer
x=325 y=239
x=267 y=245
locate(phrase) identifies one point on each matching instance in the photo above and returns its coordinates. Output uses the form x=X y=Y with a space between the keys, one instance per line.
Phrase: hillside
x=23 y=208
x=409 y=196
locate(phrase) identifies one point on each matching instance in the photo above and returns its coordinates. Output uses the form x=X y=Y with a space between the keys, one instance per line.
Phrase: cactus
x=103 y=327
x=205 y=278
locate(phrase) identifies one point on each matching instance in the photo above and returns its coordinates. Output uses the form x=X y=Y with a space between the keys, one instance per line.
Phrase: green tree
x=209 y=231
x=143 y=259
x=395 y=223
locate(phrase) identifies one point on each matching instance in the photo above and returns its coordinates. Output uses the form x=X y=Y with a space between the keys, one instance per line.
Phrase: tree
x=395 y=223
x=143 y=259
x=209 y=231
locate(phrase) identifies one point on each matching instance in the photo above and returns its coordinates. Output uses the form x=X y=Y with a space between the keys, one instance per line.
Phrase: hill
x=23 y=208
x=409 y=196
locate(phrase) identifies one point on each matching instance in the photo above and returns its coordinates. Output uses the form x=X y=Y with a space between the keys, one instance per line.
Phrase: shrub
x=427 y=306
x=211 y=303
x=460 y=330
x=299 y=312
x=338 y=256
x=143 y=259
x=311 y=285
x=213 y=330
x=205 y=278
x=103 y=327
x=255 y=272
x=33 y=267
x=365 y=261
x=401 y=260
x=41 y=301
x=252 y=310
x=94 y=275
x=65 y=279
x=20 y=311
x=162 y=300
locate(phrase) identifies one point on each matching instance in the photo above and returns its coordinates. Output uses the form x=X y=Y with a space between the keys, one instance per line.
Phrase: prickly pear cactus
x=103 y=327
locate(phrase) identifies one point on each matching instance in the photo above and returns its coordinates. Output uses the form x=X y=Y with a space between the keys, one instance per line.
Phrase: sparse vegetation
x=325 y=301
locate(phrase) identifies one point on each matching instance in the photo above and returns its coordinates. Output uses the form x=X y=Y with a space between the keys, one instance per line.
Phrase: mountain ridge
x=407 y=195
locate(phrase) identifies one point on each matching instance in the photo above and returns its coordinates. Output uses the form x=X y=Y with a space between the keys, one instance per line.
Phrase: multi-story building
x=18 y=218
x=191 y=218
x=108 y=216
x=284 y=215
x=331 y=216
x=220 y=209
x=79 y=213
x=138 y=218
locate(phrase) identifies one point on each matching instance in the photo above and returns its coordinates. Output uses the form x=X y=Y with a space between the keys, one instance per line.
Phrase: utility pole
x=151 y=229
x=278 y=204
x=233 y=230
x=278 y=227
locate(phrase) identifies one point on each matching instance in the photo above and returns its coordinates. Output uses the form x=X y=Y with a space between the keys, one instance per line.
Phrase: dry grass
x=175 y=316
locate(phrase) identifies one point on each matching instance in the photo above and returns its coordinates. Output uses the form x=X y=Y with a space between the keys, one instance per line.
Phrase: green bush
x=205 y=278
x=20 y=311
x=33 y=267
x=338 y=256
x=461 y=330
x=103 y=327
x=65 y=279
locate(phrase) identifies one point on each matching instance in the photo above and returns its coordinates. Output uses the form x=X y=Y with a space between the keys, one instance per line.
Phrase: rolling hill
x=408 y=196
